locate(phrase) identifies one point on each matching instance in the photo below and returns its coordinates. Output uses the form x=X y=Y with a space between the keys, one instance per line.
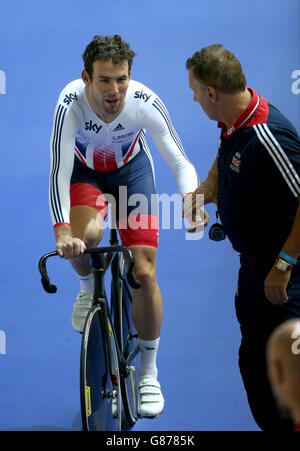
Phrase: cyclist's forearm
x=62 y=231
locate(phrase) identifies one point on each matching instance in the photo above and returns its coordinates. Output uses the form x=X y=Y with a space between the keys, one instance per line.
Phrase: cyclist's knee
x=92 y=239
x=87 y=224
x=145 y=270
x=91 y=235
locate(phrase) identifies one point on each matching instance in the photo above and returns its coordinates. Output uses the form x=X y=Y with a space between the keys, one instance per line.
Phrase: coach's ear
x=211 y=93
x=85 y=77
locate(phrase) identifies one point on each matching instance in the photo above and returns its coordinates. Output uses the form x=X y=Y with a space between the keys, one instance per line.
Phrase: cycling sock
x=148 y=354
x=87 y=283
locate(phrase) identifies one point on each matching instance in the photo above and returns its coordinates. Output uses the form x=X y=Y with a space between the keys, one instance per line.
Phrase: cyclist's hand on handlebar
x=69 y=247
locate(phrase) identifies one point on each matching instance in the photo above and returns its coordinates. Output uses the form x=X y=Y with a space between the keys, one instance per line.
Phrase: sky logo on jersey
x=92 y=127
x=69 y=98
x=141 y=95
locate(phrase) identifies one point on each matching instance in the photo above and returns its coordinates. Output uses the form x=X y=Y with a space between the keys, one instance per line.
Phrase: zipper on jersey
x=107 y=133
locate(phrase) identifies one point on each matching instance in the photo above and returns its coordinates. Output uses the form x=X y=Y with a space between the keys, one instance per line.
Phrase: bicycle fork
x=98 y=266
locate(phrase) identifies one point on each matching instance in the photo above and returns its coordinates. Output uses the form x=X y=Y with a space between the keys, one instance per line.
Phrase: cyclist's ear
x=85 y=77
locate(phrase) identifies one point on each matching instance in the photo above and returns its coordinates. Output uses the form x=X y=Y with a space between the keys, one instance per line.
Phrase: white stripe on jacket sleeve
x=279 y=157
x=62 y=144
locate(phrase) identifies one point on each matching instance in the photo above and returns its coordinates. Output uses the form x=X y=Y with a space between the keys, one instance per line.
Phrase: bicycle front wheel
x=99 y=376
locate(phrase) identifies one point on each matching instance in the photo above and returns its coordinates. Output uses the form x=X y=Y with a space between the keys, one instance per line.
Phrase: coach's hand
x=195 y=214
x=275 y=286
x=199 y=223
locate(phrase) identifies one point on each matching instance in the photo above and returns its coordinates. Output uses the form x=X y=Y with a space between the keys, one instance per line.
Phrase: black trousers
x=258 y=317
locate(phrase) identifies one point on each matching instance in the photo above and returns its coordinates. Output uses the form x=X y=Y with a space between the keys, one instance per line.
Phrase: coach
x=255 y=182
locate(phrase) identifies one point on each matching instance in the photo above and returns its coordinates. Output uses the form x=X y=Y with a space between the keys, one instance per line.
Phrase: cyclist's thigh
x=137 y=209
x=88 y=204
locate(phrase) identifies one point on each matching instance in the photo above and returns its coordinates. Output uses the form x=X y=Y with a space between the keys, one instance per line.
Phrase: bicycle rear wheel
x=99 y=376
x=127 y=338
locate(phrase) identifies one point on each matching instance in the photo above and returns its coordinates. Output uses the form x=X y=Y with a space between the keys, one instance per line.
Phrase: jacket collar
x=244 y=117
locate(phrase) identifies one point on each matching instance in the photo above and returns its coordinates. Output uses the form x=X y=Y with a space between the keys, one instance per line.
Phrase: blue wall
x=40 y=51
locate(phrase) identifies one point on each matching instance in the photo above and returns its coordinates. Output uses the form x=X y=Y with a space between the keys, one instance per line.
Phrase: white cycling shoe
x=151 y=400
x=81 y=309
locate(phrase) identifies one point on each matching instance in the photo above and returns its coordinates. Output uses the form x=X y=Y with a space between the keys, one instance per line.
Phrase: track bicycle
x=109 y=346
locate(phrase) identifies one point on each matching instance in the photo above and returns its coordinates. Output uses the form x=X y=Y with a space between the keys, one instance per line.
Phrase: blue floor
x=40 y=52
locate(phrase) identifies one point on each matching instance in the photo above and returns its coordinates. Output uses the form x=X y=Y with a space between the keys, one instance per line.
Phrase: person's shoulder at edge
x=71 y=93
x=278 y=123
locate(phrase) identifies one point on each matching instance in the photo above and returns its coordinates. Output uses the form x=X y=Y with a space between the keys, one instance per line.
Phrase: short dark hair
x=219 y=68
x=107 y=48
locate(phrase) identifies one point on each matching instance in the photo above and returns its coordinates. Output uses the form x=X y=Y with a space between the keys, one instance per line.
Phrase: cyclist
x=98 y=146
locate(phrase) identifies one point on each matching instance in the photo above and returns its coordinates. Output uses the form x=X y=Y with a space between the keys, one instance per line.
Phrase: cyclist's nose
x=113 y=88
